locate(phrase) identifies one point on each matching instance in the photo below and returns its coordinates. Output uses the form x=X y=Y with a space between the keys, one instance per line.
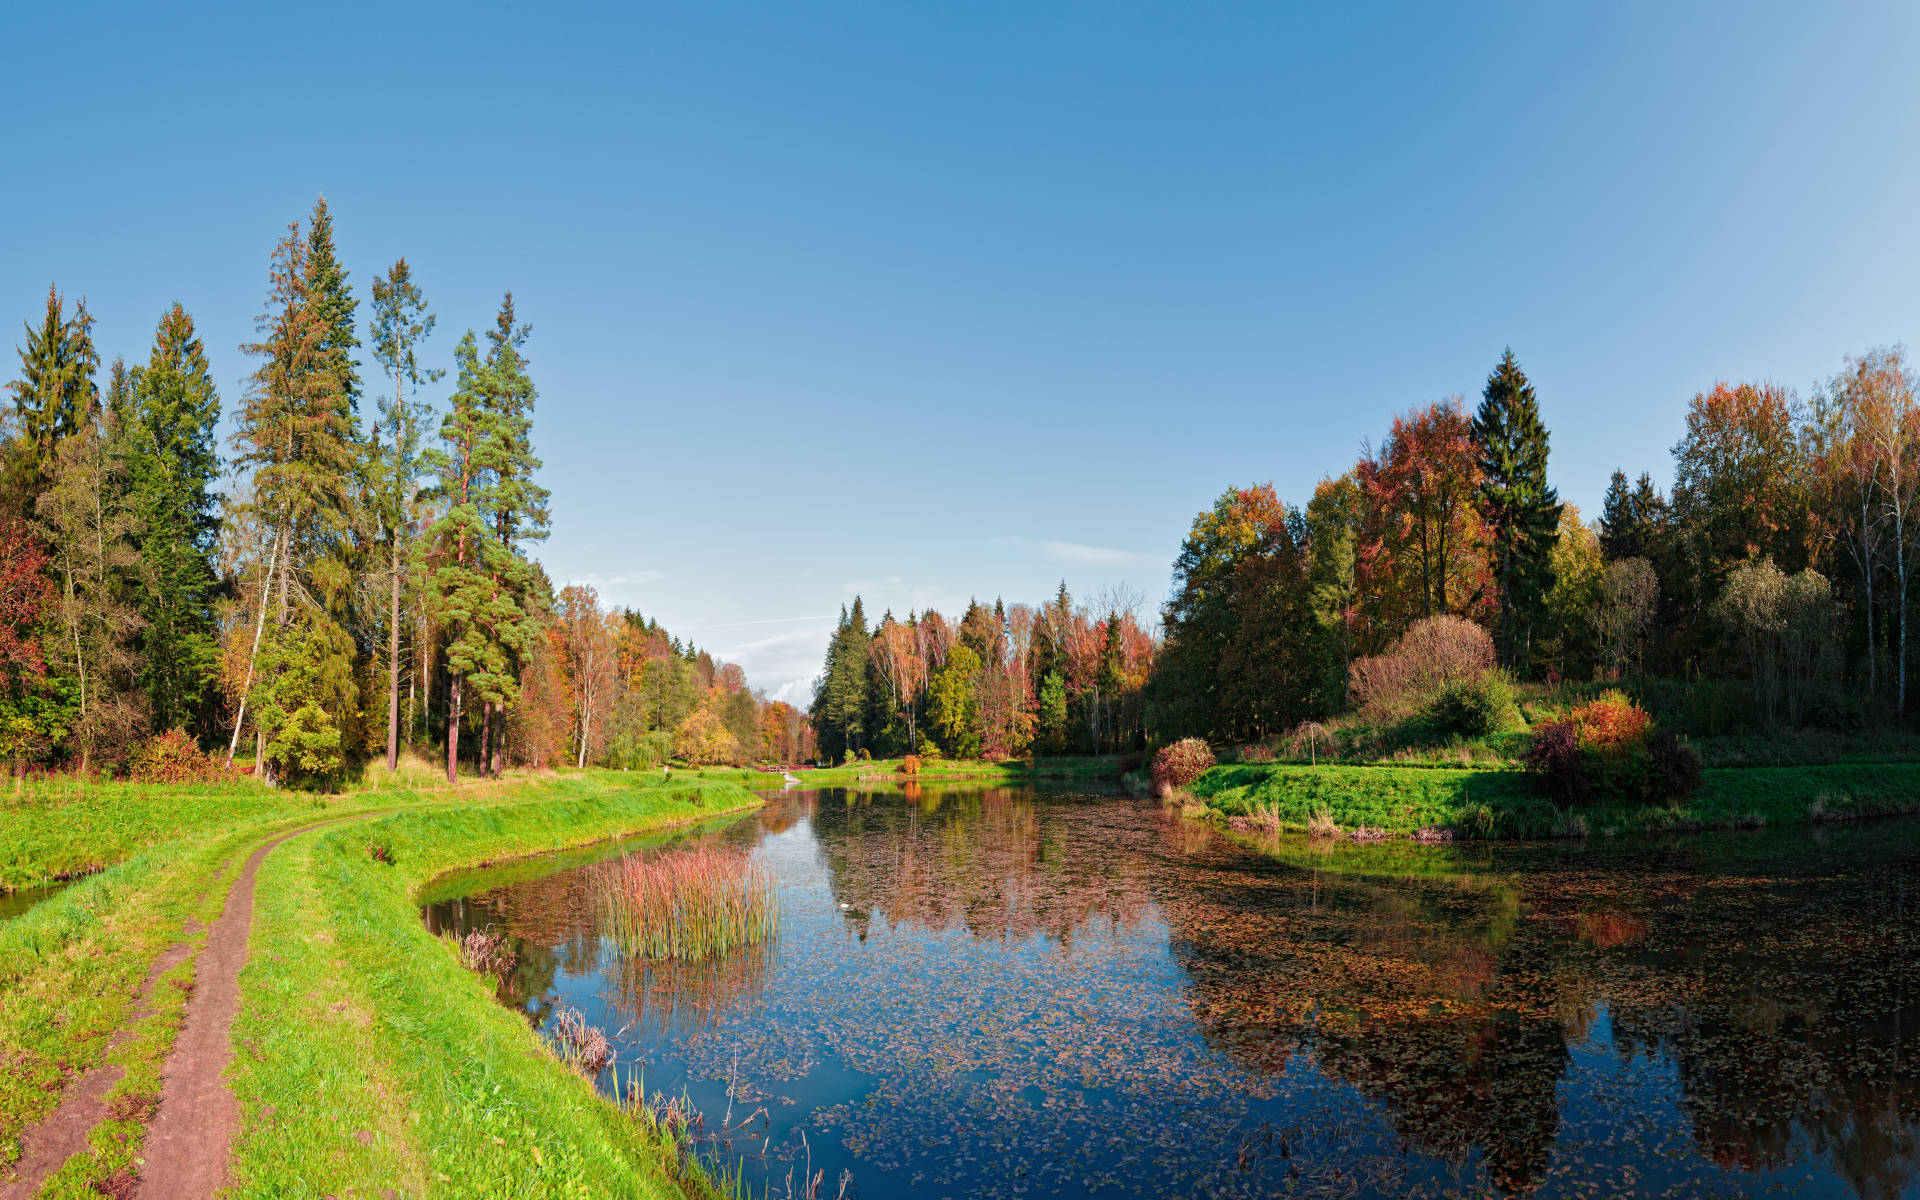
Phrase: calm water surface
x=1003 y=992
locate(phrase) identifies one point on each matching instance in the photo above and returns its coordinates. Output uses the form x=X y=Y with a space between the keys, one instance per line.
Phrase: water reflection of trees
x=979 y=861
x=1780 y=997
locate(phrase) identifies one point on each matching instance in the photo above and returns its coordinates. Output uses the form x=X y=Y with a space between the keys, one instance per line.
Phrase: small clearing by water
x=998 y=991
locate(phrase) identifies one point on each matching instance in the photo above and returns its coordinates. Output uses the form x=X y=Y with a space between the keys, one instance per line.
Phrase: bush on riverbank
x=1505 y=804
x=1178 y=765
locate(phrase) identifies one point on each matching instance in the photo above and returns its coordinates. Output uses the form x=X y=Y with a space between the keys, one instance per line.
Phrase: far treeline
x=1771 y=589
x=361 y=585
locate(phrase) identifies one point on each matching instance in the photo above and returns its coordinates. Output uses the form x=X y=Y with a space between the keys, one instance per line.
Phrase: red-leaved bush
x=1181 y=763
x=1609 y=748
x=1612 y=724
x=172 y=757
x=910 y=765
x=1431 y=652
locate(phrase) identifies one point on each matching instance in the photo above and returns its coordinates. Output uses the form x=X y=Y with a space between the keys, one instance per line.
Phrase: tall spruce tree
x=398 y=457
x=840 y=700
x=166 y=423
x=1619 y=530
x=296 y=431
x=333 y=305
x=1521 y=511
x=55 y=395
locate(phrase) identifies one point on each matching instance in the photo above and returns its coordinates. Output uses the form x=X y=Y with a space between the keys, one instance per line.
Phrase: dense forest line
x=1772 y=588
x=359 y=582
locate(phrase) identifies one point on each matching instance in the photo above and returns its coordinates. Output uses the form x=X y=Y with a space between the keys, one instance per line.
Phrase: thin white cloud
x=763 y=621
x=1077 y=554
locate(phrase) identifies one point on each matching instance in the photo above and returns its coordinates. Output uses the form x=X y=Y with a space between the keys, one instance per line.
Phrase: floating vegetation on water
x=685 y=904
x=1108 y=1000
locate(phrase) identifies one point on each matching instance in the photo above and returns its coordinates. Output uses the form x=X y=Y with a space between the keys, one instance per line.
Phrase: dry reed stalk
x=685 y=904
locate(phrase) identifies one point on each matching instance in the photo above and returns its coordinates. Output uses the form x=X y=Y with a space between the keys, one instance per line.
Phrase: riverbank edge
x=488 y=1109
x=1496 y=804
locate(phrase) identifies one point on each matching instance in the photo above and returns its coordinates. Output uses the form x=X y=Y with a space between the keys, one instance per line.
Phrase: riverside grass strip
x=468 y=1102
x=1504 y=804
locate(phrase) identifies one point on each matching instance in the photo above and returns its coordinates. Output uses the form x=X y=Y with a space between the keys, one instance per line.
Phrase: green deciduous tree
x=953 y=708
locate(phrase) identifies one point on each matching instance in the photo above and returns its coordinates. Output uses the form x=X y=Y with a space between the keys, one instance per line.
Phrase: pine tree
x=1521 y=511
x=397 y=456
x=516 y=509
x=466 y=602
x=167 y=420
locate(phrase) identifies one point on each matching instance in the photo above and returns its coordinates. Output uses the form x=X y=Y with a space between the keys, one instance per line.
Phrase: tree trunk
x=393 y=670
x=486 y=737
x=453 y=729
x=499 y=738
x=240 y=718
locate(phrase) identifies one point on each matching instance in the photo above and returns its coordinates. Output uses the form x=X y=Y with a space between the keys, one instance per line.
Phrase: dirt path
x=48 y=1145
x=188 y=1139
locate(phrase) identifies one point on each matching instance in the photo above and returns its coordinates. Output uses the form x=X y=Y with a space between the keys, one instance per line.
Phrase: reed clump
x=685 y=904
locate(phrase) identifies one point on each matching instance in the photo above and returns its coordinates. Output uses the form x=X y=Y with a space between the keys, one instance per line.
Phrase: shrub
x=172 y=757
x=910 y=765
x=1674 y=769
x=1180 y=764
x=1471 y=708
x=1609 y=748
x=928 y=749
x=1612 y=724
x=1554 y=759
x=1428 y=654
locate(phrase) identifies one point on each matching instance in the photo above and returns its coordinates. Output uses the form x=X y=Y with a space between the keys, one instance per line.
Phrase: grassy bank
x=1400 y=800
x=369 y=1057
x=158 y=860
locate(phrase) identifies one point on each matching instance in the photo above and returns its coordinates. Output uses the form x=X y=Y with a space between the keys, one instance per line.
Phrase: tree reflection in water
x=1087 y=995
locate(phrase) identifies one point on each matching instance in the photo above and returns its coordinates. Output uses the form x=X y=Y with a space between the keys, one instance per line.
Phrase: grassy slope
x=71 y=966
x=1502 y=803
x=356 y=1021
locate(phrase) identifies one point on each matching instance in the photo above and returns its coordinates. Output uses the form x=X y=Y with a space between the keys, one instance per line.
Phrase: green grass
x=71 y=966
x=357 y=1021
x=1503 y=803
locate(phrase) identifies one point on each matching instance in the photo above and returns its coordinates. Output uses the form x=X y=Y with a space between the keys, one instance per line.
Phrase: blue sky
x=935 y=301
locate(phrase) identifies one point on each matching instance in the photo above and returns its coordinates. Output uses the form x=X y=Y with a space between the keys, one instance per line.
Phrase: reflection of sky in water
x=993 y=994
